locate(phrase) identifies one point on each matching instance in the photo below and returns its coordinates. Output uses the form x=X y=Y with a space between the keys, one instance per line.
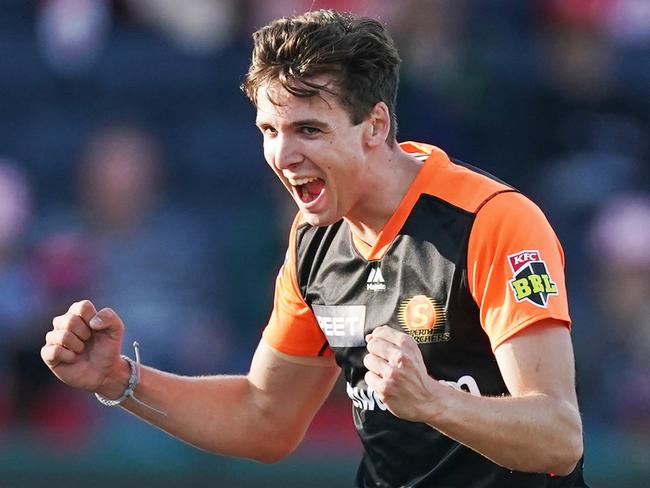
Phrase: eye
x=310 y=131
x=268 y=131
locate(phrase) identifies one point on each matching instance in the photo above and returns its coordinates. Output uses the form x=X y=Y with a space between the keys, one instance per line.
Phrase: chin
x=316 y=220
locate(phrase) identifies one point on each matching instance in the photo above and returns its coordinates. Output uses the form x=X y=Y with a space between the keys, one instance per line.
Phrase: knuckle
x=86 y=307
x=106 y=313
x=389 y=374
x=82 y=308
x=109 y=312
x=67 y=338
x=52 y=337
x=399 y=358
x=61 y=353
x=366 y=361
x=61 y=321
x=81 y=330
x=73 y=343
x=410 y=343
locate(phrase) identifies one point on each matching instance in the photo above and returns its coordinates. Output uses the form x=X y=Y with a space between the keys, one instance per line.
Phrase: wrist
x=438 y=403
x=117 y=381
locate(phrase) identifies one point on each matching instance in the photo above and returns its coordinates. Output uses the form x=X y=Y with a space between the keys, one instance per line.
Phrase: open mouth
x=308 y=189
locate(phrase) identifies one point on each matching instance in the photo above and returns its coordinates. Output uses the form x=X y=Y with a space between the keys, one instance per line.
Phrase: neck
x=389 y=177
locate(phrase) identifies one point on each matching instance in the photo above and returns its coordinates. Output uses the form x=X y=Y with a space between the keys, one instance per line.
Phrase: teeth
x=301 y=181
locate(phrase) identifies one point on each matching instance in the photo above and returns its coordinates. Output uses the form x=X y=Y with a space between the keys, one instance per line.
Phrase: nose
x=285 y=151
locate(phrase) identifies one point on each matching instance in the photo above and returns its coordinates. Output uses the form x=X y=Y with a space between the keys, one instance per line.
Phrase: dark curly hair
x=358 y=53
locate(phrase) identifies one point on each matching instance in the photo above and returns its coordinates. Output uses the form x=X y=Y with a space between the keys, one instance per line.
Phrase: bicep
x=290 y=389
x=539 y=360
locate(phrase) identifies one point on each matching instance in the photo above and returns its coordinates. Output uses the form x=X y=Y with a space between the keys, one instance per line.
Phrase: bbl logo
x=531 y=279
x=424 y=319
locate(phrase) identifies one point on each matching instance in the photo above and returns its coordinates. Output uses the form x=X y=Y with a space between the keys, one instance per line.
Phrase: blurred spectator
x=151 y=260
x=72 y=33
x=553 y=96
x=60 y=266
x=200 y=26
x=19 y=292
x=583 y=75
x=625 y=21
x=440 y=84
x=261 y=12
x=29 y=396
x=619 y=245
x=119 y=180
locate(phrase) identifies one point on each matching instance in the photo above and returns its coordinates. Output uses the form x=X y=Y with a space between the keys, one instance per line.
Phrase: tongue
x=314 y=187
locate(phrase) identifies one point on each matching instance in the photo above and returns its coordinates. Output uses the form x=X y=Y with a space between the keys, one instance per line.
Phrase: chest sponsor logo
x=424 y=319
x=343 y=325
x=364 y=398
x=368 y=399
x=464 y=383
x=375 y=280
x=531 y=280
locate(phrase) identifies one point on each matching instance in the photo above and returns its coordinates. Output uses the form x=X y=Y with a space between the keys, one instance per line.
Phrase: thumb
x=107 y=320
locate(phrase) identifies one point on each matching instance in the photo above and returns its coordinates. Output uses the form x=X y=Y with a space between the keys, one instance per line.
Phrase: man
x=437 y=290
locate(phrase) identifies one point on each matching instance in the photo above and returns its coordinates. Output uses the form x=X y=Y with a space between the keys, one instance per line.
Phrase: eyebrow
x=298 y=123
x=310 y=122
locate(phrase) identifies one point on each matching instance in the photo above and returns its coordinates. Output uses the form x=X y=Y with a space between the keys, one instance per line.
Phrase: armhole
x=471 y=270
x=321 y=360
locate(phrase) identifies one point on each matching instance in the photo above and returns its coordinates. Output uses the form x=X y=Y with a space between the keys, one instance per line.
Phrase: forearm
x=535 y=433
x=221 y=414
x=263 y=415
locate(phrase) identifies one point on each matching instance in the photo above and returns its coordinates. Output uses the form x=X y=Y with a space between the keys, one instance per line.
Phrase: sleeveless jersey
x=464 y=263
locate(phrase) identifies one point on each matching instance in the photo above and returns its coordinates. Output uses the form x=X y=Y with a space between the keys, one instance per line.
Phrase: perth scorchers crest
x=424 y=319
x=531 y=280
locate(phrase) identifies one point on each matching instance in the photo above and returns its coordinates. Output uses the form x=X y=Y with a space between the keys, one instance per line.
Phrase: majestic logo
x=365 y=399
x=531 y=280
x=342 y=324
x=376 y=280
x=424 y=319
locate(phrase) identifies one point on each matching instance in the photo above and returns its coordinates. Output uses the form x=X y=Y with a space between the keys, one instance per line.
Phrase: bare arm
x=263 y=415
x=537 y=429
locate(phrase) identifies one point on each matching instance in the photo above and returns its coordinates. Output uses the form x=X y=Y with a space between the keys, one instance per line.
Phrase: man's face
x=316 y=152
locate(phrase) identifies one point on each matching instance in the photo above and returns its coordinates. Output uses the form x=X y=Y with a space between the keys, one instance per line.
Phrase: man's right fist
x=83 y=349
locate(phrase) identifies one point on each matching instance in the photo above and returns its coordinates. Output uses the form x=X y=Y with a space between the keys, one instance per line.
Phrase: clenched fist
x=396 y=371
x=83 y=348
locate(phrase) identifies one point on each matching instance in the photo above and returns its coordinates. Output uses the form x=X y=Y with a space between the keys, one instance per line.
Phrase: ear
x=378 y=125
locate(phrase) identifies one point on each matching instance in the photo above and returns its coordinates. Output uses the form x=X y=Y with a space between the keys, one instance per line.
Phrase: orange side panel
x=293 y=328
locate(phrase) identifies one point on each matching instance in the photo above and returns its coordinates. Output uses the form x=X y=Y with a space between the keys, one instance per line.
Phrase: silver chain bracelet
x=134 y=380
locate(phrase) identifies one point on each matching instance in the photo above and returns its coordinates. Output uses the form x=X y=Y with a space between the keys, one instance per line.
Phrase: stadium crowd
x=131 y=173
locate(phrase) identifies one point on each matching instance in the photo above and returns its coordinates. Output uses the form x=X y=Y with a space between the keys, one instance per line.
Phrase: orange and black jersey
x=464 y=263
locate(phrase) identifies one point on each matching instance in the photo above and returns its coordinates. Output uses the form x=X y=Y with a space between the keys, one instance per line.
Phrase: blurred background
x=131 y=173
